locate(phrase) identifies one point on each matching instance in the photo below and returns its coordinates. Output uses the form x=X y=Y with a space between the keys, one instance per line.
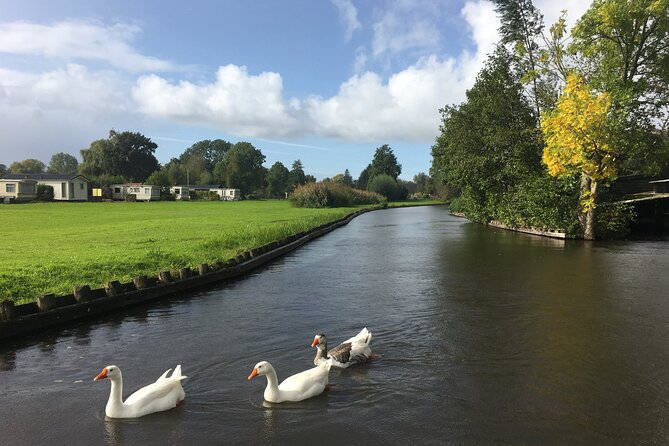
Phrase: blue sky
x=322 y=81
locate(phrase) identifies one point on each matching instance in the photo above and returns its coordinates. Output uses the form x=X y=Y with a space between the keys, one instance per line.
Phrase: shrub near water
x=329 y=195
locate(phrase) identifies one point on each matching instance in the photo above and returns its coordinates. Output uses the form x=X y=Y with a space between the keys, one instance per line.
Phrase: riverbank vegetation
x=553 y=120
x=52 y=247
x=332 y=195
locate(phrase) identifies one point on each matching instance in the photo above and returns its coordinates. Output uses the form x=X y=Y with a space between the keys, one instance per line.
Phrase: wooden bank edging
x=544 y=233
x=50 y=310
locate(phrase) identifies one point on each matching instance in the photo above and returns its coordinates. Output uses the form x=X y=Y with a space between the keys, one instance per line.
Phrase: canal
x=485 y=337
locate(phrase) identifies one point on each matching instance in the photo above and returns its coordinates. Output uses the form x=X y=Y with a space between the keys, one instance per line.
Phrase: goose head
x=320 y=341
x=262 y=368
x=110 y=372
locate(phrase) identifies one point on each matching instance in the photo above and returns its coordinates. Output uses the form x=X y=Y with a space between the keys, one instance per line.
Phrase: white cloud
x=235 y=102
x=349 y=16
x=405 y=25
x=79 y=40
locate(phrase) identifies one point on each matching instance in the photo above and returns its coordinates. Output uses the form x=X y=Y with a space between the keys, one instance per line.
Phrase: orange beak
x=315 y=343
x=101 y=375
x=253 y=374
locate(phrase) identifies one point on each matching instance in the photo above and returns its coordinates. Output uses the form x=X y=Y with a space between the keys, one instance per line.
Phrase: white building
x=142 y=192
x=180 y=192
x=17 y=189
x=71 y=187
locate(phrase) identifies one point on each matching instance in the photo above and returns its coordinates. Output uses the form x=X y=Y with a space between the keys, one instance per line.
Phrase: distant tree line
x=130 y=157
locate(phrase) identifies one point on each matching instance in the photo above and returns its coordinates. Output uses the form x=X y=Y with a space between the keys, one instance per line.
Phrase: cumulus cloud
x=349 y=17
x=79 y=40
x=235 y=102
x=405 y=25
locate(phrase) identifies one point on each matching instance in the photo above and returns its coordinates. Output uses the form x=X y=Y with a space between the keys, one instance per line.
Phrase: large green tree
x=490 y=143
x=278 y=180
x=3 y=170
x=385 y=162
x=242 y=168
x=27 y=166
x=625 y=48
x=297 y=175
x=126 y=154
x=63 y=163
x=210 y=151
x=521 y=26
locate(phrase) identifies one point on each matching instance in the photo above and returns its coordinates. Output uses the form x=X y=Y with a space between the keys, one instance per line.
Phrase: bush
x=328 y=195
x=385 y=185
x=614 y=220
x=44 y=193
x=204 y=195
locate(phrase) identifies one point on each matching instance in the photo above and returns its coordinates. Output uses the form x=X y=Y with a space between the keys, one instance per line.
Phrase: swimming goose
x=161 y=395
x=355 y=350
x=298 y=387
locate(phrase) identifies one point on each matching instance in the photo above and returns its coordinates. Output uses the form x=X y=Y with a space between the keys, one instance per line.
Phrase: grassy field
x=51 y=247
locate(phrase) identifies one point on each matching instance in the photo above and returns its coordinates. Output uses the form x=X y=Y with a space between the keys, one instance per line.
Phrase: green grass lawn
x=52 y=247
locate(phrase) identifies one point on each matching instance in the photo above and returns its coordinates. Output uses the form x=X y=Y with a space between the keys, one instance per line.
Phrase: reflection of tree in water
x=7 y=361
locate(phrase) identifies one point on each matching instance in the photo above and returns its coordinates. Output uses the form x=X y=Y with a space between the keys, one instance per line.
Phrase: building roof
x=43 y=176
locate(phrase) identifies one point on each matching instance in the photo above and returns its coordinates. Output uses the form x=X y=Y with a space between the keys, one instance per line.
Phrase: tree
x=278 y=180
x=625 y=46
x=159 y=178
x=127 y=154
x=3 y=170
x=521 y=25
x=489 y=144
x=297 y=176
x=211 y=152
x=363 y=179
x=385 y=185
x=422 y=182
x=242 y=168
x=63 y=163
x=27 y=166
x=309 y=179
x=385 y=162
x=580 y=140
x=347 y=179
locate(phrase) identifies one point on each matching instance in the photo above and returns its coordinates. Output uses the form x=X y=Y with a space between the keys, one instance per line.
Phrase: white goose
x=303 y=385
x=161 y=395
x=355 y=350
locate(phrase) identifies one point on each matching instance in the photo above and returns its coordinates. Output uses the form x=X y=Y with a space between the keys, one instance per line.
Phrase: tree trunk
x=589 y=224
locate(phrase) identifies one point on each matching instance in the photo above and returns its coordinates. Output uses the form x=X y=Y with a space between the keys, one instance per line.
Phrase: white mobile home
x=71 y=187
x=180 y=192
x=228 y=194
x=142 y=192
x=17 y=189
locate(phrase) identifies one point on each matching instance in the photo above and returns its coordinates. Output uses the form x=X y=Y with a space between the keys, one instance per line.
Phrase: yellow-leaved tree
x=578 y=133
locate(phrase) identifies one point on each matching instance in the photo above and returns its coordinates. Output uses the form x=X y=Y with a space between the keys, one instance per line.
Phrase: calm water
x=486 y=337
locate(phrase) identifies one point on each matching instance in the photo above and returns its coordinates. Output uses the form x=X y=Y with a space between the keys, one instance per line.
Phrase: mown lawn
x=52 y=247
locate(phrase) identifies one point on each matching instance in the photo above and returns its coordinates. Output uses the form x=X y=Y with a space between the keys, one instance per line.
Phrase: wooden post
x=82 y=293
x=141 y=282
x=7 y=310
x=165 y=277
x=46 y=302
x=203 y=269
x=184 y=273
x=113 y=288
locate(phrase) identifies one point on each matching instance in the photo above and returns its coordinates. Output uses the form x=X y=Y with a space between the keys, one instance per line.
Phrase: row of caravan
x=147 y=192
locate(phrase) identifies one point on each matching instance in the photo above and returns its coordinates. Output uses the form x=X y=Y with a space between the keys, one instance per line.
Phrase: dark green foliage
x=363 y=179
x=614 y=220
x=126 y=154
x=63 y=163
x=242 y=168
x=387 y=186
x=209 y=152
x=385 y=162
x=27 y=166
x=278 y=180
x=297 y=175
x=328 y=195
x=44 y=193
x=3 y=170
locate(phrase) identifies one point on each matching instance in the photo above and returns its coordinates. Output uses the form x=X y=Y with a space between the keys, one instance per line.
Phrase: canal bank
x=51 y=310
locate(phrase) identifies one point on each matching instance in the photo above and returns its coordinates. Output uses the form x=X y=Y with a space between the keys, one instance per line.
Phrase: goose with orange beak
x=352 y=351
x=298 y=387
x=164 y=394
